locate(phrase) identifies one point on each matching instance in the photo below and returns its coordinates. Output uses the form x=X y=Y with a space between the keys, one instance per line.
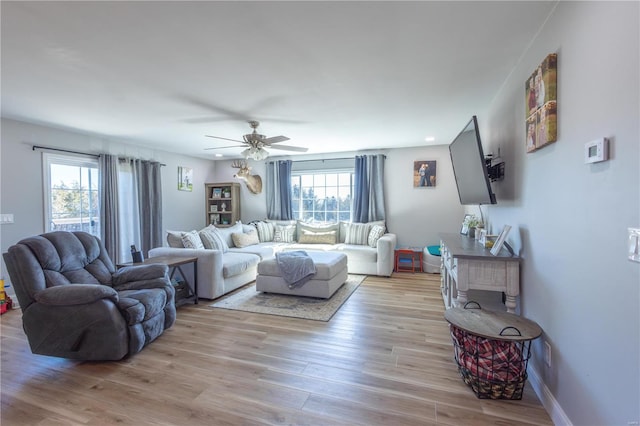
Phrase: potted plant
x=472 y=222
x=227 y=193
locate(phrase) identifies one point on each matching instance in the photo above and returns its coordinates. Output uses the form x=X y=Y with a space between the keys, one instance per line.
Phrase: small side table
x=406 y=254
x=174 y=263
x=492 y=349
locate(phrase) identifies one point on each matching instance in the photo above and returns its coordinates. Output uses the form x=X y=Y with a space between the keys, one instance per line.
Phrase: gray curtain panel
x=278 y=190
x=149 y=182
x=109 y=203
x=368 y=197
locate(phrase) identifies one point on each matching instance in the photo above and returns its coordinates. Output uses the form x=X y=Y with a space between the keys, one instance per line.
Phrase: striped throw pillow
x=284 y=234
x=191 y=240
x=265 y=231
x=212 y=239
x=358 y=233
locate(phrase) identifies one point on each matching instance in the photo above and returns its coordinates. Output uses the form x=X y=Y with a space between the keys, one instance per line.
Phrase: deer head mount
x=253 y=182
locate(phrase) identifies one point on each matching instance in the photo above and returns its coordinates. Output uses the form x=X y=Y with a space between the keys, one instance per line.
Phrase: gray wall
x=22 y=189
x=570 y=219
x=416 y=215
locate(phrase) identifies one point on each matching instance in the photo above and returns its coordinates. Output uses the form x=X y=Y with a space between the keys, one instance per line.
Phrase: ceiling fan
x=256 y=143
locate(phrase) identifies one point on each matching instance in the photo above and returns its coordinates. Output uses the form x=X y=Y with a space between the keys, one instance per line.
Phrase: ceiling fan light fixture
x=254 y=153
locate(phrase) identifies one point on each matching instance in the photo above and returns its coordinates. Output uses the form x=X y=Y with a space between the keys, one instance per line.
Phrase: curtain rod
x=34 y=147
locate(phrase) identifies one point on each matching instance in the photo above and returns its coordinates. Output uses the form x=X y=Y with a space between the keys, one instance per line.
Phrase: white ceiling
x=332 y=76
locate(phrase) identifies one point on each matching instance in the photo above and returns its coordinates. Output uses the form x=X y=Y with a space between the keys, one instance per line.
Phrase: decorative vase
x=472 y=232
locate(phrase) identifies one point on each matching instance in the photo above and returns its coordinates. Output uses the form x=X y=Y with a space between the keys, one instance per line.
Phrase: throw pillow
x=358 y=233
x=192 y=240
x=211 y=239
x=242 y=239
x=309 y=237
x=376 y=232
x=265 y=231
x=284 y=234
x=174 y=239
x=227 y=231
x=315 y=227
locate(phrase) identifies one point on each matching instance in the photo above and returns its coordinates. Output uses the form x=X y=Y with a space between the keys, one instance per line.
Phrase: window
x=71 y=193
x=322 y=196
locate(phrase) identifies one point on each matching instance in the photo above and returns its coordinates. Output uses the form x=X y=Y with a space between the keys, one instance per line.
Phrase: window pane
x=72 y=197
x=323 y=197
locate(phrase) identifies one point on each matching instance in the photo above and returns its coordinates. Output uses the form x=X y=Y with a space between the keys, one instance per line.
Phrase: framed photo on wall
x=185 y=179
x=541 y=104
x=424 y=173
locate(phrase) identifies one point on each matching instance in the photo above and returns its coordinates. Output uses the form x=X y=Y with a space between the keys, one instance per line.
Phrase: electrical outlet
x=547 y=354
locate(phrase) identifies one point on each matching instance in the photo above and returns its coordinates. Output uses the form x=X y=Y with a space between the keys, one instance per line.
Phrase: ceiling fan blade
x=275 y=139
x=204 y=120
x=289 y=148
x=226 y=139
x=225 y=147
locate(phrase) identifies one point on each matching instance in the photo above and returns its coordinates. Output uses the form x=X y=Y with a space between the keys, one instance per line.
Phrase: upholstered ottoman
x=331 y=273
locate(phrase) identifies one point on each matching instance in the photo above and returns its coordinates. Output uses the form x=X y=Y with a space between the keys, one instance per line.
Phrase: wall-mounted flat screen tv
x=469 y=166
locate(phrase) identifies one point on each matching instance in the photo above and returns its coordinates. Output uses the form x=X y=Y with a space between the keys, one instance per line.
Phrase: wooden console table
x=467 y=265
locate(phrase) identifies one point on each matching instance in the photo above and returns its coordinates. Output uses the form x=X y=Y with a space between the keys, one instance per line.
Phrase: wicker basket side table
x=491 y=349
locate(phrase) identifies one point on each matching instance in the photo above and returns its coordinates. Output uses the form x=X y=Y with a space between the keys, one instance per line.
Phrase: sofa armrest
x=210 y=264
x=386 y=250
x=75 y=294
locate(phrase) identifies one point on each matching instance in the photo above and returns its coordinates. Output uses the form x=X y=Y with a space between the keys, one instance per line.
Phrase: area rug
x=250 y=300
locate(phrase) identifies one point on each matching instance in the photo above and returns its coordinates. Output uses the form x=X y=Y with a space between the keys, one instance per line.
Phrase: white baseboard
x=549 y=402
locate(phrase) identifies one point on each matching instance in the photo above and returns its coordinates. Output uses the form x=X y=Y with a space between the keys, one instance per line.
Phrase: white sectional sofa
x=223 y=269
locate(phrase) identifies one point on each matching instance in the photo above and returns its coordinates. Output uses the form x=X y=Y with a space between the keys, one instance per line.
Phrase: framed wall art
x=541 y=104
x=424 y=173
x=185 y=179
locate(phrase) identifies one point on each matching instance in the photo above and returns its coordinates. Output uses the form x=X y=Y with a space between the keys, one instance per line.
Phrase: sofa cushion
x=212 y=239
x=376 y=232
x=227 y=231
x=264 y=250
x=357 y=233
x=192 y=240
x=309 y=237
x=234 y=263
x=242 y=239
x=284 y=234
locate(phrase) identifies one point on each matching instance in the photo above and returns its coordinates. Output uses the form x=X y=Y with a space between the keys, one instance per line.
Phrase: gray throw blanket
x=296 y=267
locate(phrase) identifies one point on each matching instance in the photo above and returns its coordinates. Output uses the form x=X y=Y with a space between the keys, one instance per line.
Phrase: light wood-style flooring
x=385 y=358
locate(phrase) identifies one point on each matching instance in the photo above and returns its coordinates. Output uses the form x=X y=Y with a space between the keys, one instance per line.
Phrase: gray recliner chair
x=76 y=305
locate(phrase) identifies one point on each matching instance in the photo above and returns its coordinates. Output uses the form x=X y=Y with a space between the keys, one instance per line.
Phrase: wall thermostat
x=596 y=151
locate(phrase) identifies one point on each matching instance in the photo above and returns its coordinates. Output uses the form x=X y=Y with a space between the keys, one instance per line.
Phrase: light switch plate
x=634 y=244
x=6 y=218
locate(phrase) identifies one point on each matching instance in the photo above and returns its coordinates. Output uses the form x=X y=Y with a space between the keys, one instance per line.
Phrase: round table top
x=492 y=325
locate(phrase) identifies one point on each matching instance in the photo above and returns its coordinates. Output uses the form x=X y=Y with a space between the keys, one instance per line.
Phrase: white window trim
x=49 y=158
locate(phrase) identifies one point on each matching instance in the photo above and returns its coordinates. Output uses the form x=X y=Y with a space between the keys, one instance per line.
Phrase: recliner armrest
x=75 y=294
x=138 y=273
